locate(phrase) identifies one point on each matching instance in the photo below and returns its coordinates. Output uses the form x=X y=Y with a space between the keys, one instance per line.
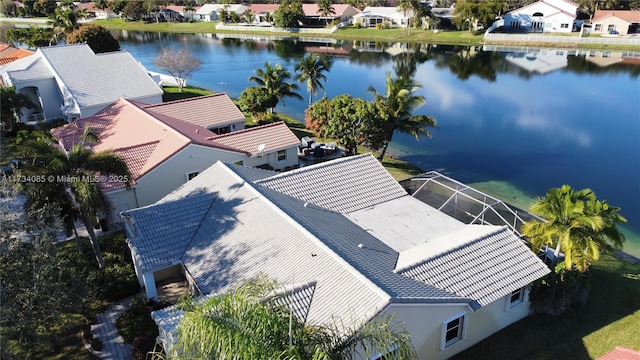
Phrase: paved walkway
x=113 y=347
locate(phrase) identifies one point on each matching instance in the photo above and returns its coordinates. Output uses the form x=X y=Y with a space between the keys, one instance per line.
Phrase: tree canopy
x=577 y=224
x=97 y=37
x=289 y=14
x=275 y=80
x=178 y=63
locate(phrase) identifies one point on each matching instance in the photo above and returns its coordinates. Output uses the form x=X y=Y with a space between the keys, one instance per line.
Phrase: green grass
x=172 y=93
x=609 y=319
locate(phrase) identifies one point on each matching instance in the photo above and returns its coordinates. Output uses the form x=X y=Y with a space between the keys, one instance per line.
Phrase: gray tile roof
x=480 y=262
x=96 y=79
x=29 y=68
x=342 y=185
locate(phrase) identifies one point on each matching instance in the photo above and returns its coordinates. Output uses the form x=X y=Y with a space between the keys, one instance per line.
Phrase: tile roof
x=96 y=79
x=631 y=16
x=275 y=136
x=313 y=9
x=621 y=353
x=480 y=262
x=27 y=68
x=344 y=185
x=9 y=53
x=207 y=111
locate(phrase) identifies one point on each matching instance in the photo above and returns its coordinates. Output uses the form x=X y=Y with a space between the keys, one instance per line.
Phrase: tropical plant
x=325 y=8
x=178 y=63
x=408 y=6
x=577 y=224
x=249 y=17
x=395 y=108
x=274 y=80
x=310 y=71
x=256 y=100
x=97 y=37
x=81 y=171
x=64 y=20
x=289 y=14
x=246 y=324
x=10 y=104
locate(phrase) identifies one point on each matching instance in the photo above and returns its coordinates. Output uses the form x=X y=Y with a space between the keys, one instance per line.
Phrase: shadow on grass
x=609 y=319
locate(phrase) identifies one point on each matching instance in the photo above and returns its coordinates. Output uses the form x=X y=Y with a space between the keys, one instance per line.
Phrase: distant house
x=622 y=22
x=342 y=13
x=93 y=11
x=261 y=10
x=168 y=144
x=542 y=16
x=347 y=241
x=372 y=15
x=211 y=12
x=72 y=81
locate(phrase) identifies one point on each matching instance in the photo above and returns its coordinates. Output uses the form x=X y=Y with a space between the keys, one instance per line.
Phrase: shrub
x=357 y=25
x=96 y=344
x=141 y=346
x=560 y=291
x=379 y=26
x=136 y=321
x=385 y=25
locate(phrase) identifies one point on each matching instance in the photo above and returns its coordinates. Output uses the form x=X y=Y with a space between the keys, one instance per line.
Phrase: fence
x=560 y=39
x=276 y=29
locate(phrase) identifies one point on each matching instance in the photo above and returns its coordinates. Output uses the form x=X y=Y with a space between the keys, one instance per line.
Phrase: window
x=598 y=27
x=191 y=175
x=453 y=331
x=515 y=298
x=282 y=155
x=611 y=28
x=564 y=26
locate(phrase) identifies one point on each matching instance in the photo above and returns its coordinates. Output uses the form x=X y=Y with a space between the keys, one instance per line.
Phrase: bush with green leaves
x=560 y=291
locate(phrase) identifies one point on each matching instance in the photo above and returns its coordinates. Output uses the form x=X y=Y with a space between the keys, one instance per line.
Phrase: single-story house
x=93 y=11
x=349 y=232
x=372 y=15
x=188 y=14
x=542 y=16
x=168 y=144
x=211 y=12
x=342 y=13
x=622 y=22
x=261 y=10
x=72 y=81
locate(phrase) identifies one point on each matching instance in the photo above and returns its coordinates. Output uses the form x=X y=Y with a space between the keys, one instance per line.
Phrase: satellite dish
x=261 y=147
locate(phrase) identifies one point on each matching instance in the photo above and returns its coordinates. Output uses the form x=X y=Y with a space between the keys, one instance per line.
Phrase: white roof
x=207 y=9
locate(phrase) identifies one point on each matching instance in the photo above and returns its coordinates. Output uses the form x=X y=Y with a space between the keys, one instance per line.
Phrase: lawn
x=610 y=318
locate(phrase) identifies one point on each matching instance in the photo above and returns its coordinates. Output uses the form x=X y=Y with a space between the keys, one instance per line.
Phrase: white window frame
x=510 y=303
x=462 y=332
x=284 y=155
x=188 y=176
x=598 y=27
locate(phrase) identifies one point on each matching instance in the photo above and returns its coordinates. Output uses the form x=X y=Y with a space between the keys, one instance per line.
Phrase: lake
x=513 y=122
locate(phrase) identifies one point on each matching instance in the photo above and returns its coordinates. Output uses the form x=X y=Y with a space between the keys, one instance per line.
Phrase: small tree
x=289 y=14
x=256 y=100
x=97 y=37
x=180 y=64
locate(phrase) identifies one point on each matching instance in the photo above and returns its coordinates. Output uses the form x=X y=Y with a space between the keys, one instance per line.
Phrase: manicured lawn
x=172 y=93
x=610 y=318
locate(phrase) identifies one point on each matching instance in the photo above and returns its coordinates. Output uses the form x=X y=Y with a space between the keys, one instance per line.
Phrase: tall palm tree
x=310 y=71
x=64 y=20
x=407 y=6
x=274 y=80
x=325 y=8
x=395 y=109
x=577 y=224
x=246 y=324
x=82 y=172
x=10 y=104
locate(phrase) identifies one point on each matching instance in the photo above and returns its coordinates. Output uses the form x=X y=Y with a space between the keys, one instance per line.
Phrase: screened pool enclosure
x=465 y=203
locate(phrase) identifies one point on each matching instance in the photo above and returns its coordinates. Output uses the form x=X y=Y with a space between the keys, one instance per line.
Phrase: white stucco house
x=72 y=81
x=211 y=12
x=542 y=16
x=372 y=15
x=166 y=145
x=347 y=239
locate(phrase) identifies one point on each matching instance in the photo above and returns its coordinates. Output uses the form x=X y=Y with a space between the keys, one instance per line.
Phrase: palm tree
x=577 y=224
x=82 y=171
x=64 y=20
x=274 y=80
x=247 y=324
x=325 y=8
x=10 y=103
x=311 y=71
x=395 y=109
x=268 y=18
x=408 y=6
x=249 y=17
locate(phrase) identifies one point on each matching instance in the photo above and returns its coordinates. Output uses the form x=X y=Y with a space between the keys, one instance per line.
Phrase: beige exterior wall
x=425 y=324
x=195 y=158
x=122 y=200
x=621 y=26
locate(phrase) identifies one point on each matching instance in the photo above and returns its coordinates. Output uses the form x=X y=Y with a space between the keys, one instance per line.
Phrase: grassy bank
x=609 y=319
x=350 y=33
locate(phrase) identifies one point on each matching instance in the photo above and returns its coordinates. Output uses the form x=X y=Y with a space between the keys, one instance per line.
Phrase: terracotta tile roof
x=276 y=136
x=626 y=15
x=620 y=353
x=215 y=110
x=136 y=157
x=263 y=8
x=9 y=53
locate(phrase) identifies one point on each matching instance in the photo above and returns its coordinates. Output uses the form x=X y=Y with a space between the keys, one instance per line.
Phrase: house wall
x=620 y=26
x=50 y=96
x=425 y=322
x=551 y=18
x=121 y=200
x=348 y=14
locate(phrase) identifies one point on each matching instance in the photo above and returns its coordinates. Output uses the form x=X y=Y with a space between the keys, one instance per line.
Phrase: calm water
x=512 y=124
